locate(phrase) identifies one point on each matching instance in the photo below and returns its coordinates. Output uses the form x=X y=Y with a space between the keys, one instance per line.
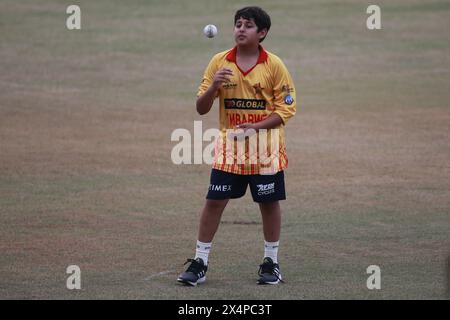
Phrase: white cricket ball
x=210 y=31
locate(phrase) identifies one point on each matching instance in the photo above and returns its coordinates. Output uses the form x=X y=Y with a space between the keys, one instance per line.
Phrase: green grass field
x=86 y=176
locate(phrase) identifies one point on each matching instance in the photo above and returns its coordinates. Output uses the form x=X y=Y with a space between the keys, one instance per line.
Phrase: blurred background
x=86 y=176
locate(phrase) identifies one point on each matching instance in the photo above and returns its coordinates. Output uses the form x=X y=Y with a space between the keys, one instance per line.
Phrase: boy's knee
x=269 y=207
x=269 y=204
x=216 y=204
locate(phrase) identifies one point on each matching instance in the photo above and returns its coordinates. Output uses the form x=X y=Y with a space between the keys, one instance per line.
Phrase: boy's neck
x=247 y=51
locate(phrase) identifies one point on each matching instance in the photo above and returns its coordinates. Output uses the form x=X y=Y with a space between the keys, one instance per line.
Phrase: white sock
x=271 y=250
x=202 y=251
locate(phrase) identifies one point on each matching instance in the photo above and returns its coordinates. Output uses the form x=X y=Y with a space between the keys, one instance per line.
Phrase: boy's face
x=246 y=34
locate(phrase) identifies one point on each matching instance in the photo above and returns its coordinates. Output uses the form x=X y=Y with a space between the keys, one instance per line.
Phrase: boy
x=256 y=95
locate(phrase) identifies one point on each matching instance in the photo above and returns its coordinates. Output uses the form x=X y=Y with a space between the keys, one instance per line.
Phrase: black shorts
x=264 y=188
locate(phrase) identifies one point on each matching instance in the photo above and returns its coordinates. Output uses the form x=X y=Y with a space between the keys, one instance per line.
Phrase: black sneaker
x=195 y=273
x=269 y=272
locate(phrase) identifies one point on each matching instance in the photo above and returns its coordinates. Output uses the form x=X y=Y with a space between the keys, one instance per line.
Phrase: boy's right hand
x=221 y=76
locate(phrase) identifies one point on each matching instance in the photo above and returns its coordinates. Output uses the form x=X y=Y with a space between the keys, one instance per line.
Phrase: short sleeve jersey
x=250 y=97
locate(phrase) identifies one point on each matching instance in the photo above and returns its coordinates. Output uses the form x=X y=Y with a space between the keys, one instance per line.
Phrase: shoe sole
x=262 y=282
x=190 y=283
x=268 y=282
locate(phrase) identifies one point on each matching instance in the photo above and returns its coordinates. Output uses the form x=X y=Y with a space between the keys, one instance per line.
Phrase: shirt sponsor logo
x=235 y=119
x=228 y=86
x=265 y=189
x=245 y=104
x=287 y=89
x=258 y=88
x=220 y=187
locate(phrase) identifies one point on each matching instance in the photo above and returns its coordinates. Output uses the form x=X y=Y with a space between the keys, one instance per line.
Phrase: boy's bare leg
x=209 y=223
x=210 y=219
x=269 y=272
x=271 y=218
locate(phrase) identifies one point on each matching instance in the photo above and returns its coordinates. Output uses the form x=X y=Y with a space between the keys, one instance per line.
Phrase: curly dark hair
x=261 y=18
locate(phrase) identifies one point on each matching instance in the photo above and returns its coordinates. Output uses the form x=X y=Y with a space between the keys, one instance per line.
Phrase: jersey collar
x=231 y=56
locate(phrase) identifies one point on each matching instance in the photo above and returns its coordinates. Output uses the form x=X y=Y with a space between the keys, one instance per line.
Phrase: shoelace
x=195 y=266
x=270 y=269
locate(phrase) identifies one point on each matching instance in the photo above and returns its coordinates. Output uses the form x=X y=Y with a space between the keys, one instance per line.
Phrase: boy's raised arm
x=206 y=100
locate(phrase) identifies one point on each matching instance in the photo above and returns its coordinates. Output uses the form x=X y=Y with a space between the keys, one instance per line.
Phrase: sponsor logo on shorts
x=265 y=189
x=220 y=187
x=245 y=104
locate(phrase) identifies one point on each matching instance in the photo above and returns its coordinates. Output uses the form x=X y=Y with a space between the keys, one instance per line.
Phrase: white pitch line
x=158 y=274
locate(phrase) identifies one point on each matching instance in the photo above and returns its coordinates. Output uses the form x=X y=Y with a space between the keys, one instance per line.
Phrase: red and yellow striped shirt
x=251 y=97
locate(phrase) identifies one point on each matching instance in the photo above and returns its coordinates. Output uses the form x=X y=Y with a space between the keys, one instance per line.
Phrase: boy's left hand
x=242 y=135
x=247 y=126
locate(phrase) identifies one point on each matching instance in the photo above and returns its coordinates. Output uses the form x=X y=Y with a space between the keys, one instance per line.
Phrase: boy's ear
x=262 y=33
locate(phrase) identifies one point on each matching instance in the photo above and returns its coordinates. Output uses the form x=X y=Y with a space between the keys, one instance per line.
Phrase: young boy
x=256 y=95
